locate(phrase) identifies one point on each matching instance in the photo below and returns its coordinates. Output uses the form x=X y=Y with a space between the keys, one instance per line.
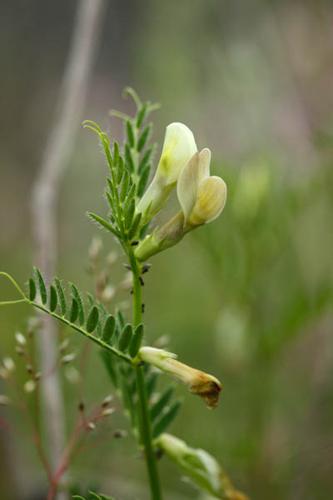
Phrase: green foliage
x=136 y=340
x=150 y=411
x=40 y=284
x=165 y=418
x=109 y=328
x=125 y=337
x=74 y=311
x=53 y=298
x=92 y=320
x=32 y=289
x=129 y=169
x=78 y=299
x=61 y=296
x=100 y=325
x=120 y=344
x=160 y=403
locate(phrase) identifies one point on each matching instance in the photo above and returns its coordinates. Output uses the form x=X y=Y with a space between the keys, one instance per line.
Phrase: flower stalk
x=144 y=418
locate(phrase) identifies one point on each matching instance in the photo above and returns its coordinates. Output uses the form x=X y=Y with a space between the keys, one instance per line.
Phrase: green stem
x=11 y=302
x=145 y=427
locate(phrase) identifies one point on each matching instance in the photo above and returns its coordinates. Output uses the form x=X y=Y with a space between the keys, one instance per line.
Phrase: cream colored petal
x=187 y=185
x=179 y=146
x=211 y=199
x=204 y=164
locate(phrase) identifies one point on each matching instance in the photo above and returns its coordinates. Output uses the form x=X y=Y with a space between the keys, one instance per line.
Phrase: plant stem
x=145 y=427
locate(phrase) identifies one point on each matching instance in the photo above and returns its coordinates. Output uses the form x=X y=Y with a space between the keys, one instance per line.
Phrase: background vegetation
x=249 y=298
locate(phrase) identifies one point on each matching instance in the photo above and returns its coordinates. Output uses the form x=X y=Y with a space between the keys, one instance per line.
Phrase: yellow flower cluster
x=201 y=196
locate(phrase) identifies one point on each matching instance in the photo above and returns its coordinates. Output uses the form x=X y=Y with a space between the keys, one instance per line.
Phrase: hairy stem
x=145 y=425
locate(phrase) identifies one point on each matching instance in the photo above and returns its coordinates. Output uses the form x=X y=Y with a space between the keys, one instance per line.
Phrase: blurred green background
x=249 y=297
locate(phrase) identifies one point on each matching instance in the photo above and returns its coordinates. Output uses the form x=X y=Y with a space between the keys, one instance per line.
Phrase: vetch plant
x=134 y=368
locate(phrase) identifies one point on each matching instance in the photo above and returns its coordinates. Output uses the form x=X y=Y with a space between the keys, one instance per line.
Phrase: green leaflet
x=166 y=419
x=61 y=296
x=108 y=328
x=161 y=403
x=32 y=289
x=77 y=296
x=74 y=311
x=41 y=285
x=53 y=298
x=136 y=340
x=92 y=320
x=125 y=337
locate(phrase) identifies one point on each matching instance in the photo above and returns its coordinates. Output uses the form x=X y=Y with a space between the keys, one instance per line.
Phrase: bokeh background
x=248 y=298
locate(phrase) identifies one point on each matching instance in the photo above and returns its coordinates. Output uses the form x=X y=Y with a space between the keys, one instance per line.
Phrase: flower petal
x=179 y=146
x=187 y=185
x=200 y=383
x=204 y=160
x=211 y=199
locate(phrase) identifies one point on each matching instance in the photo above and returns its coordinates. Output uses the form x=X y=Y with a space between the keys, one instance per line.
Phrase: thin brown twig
x=55 y=159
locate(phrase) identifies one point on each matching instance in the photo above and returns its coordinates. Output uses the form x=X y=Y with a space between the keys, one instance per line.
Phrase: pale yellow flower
x=198 y=382
x=179 y=146
x=201 y=196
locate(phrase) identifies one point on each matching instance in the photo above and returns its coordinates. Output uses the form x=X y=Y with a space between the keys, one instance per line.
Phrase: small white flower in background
x=64 y=344
x=201 y=196
x=7 y=367
x=107 y=412
x=107 y=400
x=111 y=258
x=20 y=338
x=68 y=358
x=108 y=293
x=29 y=386
x=203 y=384
x=9 y=364
x=200 y=466
x=178 y=148
x=4 y=400
x=72 y=374
x=96 y=246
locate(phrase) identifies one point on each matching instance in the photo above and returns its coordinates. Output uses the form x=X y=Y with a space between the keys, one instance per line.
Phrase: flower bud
x=198 y=382
x=95 y=249
x=4 y=400
x=9 y=364
x=200 y=466
x=68 y=358
x=179 y=146
x=162 y=238
x=29 y=386
x=20 y=339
